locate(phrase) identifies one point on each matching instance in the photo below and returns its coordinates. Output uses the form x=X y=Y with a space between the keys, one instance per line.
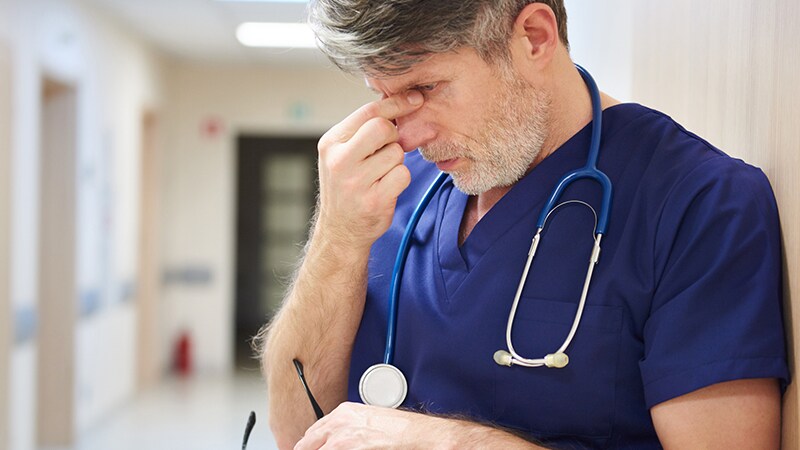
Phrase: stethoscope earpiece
x=556 y=360
x=502 y=358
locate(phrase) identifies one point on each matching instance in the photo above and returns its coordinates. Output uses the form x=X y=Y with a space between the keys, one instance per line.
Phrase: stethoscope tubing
x=399 y=266
x=590 y=171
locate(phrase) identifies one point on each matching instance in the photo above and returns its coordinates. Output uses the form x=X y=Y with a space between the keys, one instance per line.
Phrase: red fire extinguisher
x=183 y=354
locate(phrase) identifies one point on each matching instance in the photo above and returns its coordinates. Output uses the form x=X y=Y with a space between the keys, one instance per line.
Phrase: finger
x=319 y=433
x=373 y=135
x=389 y=108
x=377 y=165
x=394 y=182
x=314 y=439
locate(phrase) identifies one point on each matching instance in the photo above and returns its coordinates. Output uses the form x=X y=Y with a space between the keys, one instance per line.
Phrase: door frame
x=252 y=151
x=57 y=284
x=148 y=292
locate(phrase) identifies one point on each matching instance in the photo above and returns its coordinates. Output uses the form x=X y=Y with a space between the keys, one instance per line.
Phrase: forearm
x=361 y=175
x=353 y=425
x=316 y=325
x=463 y=434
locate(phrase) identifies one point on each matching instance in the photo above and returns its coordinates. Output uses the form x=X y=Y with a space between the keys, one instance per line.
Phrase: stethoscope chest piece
x=383 y=385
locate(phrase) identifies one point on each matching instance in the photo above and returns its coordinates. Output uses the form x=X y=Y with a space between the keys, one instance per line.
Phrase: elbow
x=286 y=436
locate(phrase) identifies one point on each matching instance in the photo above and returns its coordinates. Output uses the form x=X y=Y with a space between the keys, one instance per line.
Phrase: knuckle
x=382 y=126
x=324 y=142
x=403 y=178
x=397 y=152
x=372 y=109
x=331 y=137
x=323 y=145
x=334 y=161
x=346 y=406
x=405 y=174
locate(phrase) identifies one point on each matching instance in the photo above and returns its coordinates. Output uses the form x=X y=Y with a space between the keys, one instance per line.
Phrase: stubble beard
x=508 y=143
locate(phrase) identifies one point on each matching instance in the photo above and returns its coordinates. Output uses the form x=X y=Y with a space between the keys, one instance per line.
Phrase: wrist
x=335 y=252
x=451 y=437
x=344 y=242
x=439 y=434
x=448 y=434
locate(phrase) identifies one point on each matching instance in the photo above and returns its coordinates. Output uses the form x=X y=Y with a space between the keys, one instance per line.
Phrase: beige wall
x=728 y=70
x=116 y=76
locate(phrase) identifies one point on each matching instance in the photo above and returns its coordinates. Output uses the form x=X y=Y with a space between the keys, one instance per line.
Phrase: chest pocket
x=573 y=405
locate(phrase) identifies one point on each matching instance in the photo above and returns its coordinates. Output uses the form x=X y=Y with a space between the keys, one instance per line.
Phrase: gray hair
x=387 y=37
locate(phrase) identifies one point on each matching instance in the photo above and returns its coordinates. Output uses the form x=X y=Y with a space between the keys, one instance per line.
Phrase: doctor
x=680 y=341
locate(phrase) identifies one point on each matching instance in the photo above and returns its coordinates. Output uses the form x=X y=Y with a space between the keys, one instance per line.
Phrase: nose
x=414 y=130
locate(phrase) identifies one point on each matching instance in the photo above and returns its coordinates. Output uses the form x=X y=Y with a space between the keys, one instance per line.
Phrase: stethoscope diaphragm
x=383 y=385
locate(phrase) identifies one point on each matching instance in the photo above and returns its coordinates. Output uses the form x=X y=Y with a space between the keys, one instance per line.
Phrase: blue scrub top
x=687 y=292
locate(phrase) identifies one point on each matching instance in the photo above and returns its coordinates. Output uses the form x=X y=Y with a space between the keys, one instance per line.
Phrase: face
x=479 y=123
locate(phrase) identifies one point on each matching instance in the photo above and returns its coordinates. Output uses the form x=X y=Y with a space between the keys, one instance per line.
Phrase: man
x=680 y=344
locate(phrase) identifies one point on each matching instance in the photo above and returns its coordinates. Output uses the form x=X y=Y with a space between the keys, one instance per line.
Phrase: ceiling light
x=276 y=35
x=263 y=1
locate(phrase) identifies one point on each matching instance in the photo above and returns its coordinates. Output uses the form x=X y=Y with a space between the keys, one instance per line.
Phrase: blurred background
x=157 y=177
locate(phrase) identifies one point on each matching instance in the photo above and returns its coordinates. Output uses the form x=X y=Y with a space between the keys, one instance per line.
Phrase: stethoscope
x=385 y=385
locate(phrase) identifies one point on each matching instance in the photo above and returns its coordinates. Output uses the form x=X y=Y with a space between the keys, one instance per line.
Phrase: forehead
x=438 y=67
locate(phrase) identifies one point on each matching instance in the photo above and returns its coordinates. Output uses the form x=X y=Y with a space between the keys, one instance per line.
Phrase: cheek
x=439 y=118
x=462 y=111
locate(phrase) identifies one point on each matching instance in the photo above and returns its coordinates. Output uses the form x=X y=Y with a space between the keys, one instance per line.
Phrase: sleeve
x=716 y=310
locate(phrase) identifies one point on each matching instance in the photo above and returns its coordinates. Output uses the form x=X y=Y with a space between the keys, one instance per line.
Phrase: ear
x=534 y=37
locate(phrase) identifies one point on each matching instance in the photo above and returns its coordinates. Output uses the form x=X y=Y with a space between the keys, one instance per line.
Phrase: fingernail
x=414 y=97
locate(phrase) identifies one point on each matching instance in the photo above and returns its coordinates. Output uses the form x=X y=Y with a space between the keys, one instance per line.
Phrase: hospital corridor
x=158 y=177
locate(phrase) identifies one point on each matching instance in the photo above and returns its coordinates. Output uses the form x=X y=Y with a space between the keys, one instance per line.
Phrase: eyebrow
x=416 y=81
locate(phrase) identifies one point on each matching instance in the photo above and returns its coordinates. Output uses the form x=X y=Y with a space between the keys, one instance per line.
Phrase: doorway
x=57 y=305
x=275 y=201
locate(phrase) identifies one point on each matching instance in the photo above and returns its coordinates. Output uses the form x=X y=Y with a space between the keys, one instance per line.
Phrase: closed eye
x=425 y=87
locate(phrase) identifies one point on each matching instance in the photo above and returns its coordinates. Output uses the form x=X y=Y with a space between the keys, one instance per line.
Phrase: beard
x=509 y=141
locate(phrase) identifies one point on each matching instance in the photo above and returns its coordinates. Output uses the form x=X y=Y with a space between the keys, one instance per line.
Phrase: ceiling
x=204 y=30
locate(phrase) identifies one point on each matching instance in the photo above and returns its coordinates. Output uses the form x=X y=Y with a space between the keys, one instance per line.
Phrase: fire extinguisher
x=183 y=354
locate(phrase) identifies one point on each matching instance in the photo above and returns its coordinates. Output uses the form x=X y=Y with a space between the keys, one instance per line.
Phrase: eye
x=426 y=87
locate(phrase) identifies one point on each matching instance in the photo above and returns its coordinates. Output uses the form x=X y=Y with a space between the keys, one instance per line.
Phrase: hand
x=357 y=426
x=361 y=171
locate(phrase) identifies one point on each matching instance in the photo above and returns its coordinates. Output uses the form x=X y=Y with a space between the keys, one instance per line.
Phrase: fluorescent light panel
x=263 y=1
x=275 y=35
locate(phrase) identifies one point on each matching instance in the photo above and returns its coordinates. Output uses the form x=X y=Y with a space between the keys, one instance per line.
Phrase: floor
x=191 y=414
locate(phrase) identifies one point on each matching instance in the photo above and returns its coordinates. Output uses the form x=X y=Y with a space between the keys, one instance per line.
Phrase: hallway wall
x=601 y=40
x=728 y=71
x=5 y=221
x=115 y=76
